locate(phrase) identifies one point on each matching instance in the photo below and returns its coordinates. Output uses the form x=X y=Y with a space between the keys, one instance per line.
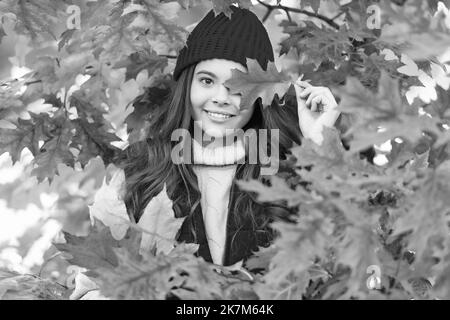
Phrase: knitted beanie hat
x=233 y=39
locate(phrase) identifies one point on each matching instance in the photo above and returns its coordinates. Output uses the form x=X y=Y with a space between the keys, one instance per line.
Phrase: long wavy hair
x=148 y=164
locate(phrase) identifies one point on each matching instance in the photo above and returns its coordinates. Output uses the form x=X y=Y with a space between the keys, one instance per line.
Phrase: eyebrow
x=208 y=73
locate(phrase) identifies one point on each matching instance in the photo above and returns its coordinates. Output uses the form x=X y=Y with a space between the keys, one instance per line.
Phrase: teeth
x=218 y=115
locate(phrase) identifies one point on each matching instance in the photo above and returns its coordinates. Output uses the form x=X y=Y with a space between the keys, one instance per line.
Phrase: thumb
x=300 y=102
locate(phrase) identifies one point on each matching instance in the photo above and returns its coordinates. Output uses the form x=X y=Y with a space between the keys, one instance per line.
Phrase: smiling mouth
x=219 y=115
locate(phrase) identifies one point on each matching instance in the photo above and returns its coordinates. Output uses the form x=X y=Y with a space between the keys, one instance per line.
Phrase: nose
x=222 y=96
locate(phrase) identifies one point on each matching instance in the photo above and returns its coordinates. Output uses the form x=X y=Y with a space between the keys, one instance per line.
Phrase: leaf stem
x=271 y=7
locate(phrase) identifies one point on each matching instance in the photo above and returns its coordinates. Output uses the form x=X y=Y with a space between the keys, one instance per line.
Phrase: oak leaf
x=258 y=83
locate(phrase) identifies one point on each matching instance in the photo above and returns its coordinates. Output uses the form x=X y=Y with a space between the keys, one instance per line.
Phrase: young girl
x=227 y=223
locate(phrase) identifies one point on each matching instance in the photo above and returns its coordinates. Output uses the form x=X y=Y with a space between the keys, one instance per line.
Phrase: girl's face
x=211 y=101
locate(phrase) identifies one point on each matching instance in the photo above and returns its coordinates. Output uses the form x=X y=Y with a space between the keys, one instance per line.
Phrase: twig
x=338 y=15
x=269 y=11
x=271 y=7
x=167 y=56
x=288 y=15
x=32 y=82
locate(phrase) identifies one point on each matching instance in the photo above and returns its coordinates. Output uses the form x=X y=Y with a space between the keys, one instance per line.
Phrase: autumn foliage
x=102 y=81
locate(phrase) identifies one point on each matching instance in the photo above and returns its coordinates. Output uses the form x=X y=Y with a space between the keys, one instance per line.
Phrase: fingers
x=298 y=90
x=304 y=84
x=325 y=95
x=306 y=92
x=300 y=102
x=310 y=97
x=315 y=102
x=314 y=93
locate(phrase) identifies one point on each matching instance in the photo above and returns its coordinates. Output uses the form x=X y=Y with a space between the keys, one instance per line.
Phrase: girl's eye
x=207 y=79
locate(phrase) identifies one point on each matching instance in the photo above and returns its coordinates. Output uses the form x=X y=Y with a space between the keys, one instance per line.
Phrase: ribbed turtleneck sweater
x=215 y=167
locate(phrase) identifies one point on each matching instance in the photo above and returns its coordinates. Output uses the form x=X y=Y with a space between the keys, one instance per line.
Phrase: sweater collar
x=216 y=154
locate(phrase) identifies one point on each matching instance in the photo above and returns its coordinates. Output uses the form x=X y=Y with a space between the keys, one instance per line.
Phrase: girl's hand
x=316 y=108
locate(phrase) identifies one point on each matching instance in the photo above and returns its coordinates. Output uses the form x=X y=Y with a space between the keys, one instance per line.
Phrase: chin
x=214 y=132
x=215 y=129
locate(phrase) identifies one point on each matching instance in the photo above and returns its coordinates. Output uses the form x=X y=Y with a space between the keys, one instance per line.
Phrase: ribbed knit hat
x=234 y=39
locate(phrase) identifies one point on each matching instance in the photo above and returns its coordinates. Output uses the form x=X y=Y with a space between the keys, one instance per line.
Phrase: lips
x=218 y=117
x=220 y=113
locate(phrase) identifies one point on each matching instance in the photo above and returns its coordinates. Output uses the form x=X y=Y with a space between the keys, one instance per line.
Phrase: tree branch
x=338 y=15
x=271 y=7
x=167 y=56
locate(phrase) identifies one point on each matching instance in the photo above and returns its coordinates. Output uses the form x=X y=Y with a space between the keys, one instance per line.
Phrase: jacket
x=241 y=241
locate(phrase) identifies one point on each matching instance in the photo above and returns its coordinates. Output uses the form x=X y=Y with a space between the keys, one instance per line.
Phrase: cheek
x=245 y=117
x=197 y=98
